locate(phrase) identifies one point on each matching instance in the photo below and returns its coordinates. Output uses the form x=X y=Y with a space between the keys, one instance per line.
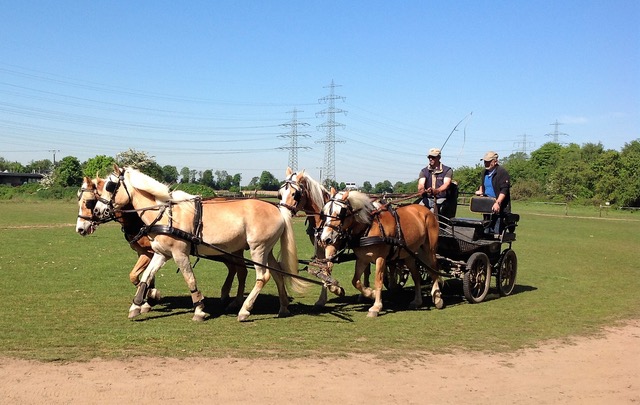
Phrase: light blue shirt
x=488 y=186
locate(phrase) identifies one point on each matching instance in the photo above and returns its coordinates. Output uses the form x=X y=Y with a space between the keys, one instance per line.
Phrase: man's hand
x=496 y=207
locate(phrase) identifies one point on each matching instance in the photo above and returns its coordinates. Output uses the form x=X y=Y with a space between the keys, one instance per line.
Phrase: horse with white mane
x=180 y=224
x=131 y=225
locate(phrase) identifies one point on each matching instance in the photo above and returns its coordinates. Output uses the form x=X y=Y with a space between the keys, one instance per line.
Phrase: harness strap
x=376 y=240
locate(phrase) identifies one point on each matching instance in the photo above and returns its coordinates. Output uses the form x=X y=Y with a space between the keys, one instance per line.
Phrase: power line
x=293 y=135
x=330 y=127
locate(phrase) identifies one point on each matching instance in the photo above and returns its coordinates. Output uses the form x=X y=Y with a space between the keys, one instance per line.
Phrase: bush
x=196 y=189
x=525 y=189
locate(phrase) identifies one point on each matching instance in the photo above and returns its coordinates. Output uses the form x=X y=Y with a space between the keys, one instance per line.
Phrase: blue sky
x=209 y=84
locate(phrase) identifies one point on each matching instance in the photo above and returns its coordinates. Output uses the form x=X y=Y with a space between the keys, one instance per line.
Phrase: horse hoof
x=243 y=318
x=413 y=306
x=199 y=317
x=439 y=303
x=154 y=294
x=134 y=312
x=372 y=314
x=339 y=291
x=146 y=307
x=284 y=314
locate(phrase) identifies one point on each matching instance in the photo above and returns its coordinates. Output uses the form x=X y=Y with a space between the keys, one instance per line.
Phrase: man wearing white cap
x=434 y=182
x=496 y=183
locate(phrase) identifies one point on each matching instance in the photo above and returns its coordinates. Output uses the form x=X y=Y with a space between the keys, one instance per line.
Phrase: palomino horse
x=131 y=225
x=301 y=192
x=180 y=224
x=379 y=236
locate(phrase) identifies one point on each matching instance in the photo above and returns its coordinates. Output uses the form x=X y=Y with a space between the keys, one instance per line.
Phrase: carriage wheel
x=395 y=278
x=506 y=275
x=425 y=277
x=477 y=278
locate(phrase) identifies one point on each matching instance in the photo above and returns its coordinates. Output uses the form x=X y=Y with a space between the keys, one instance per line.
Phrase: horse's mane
x=160 y=191
x=316 y=190
x=361 y=204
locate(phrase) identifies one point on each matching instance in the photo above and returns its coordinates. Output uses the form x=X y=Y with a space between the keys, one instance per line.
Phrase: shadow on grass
x=342 y=308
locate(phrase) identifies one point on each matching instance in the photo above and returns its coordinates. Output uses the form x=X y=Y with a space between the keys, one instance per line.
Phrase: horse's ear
x=300 y=176
x=116 y=169
x=333 y=192
x=99 y=184
x=288 y=172
x=345 y=195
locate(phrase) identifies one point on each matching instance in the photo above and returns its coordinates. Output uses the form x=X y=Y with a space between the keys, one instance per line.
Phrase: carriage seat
x=471 y=228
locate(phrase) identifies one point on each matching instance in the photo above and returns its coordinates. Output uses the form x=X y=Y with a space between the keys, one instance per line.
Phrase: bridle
x=91 y=204
x=345 y=211
x=112 y=188
x=298 y=193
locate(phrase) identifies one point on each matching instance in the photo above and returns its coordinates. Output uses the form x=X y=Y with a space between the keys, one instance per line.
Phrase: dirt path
x=603 y=370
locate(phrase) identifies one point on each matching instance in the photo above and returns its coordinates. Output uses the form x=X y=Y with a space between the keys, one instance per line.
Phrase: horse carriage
x=400 y=240
x=468 y=249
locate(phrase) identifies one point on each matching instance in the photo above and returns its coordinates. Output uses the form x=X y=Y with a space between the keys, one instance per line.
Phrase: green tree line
x=587 y=174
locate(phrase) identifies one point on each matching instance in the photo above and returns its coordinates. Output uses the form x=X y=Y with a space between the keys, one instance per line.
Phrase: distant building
x=350 y=186
x=18 y=179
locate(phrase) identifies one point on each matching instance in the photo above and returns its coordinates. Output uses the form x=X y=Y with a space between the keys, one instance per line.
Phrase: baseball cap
x=489 y=156
x=434 y=152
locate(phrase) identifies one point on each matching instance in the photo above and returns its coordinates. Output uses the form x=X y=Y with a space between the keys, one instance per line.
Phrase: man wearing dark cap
x=434 y=182
x=496 y=183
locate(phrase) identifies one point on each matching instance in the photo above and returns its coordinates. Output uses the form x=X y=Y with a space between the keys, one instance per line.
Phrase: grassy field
x=66 y=297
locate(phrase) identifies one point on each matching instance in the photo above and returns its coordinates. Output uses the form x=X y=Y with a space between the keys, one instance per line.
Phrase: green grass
x=66 y=297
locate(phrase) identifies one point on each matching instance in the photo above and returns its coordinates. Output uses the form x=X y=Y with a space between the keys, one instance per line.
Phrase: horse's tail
x=289 y=253
x=433 y=232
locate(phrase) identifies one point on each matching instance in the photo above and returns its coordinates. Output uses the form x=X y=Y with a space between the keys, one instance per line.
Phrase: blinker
x=110 y=186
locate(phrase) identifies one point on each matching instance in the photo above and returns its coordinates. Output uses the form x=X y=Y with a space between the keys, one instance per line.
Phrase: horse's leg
x=278 y=278
x=427 y=255
x=228 y=283
x=134 y=276
x=183 y=262
x=381 y=264
x=361 y=266
x=241 y=273
x=436 y=294
x=262 y=277
x=417 y=297
x=157 y=261
x=367 y=284
x=236 y=266
x=367 y=275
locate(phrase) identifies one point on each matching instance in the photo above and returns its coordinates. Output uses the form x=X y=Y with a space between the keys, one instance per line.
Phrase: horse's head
x=342 y=213
x=87 y=198
x=337 y=216
x=292 y=193
x=114 y=195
